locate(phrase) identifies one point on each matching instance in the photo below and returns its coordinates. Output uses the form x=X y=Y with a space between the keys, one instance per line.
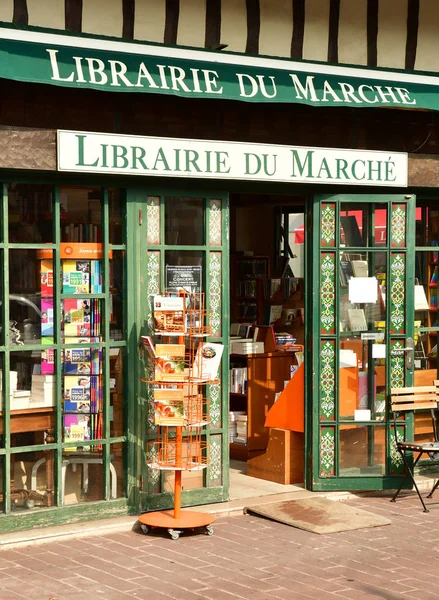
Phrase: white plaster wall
x=352 y=32
x=315 y=41
x=234 y=24
x=191 y=23
x=427 y=54
x=49 y=13
x=149 y=20
x=6 y=10
x=392 y=33
x=102 y=17
x=276 y=27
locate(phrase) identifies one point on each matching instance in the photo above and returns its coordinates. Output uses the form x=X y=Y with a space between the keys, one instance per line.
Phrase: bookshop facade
x=108 y=204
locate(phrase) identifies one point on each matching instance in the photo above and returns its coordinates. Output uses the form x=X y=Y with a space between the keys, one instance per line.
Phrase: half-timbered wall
x=385 y=33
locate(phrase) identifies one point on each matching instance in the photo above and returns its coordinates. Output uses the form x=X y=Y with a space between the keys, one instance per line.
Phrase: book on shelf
x=82 y=317
x=169 y=314
x=272 y=314
x=169 y=407
x=421 y=302
x=207 y=361
x=82 y=361
x=169 y=362
x=346 y=272
x=46 y=317
x=357 y=319
x=46 y=275
x=76 y=276
x=360 y=268
x=47 y=357
x=82 y=393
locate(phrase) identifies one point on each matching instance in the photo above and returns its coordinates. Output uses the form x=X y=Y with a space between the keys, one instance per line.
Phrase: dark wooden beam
x=372 y=33
x=213 y=24
x=334 y=20
x=412 y=33
x=171 y=21
x=20 y=15
x=298 y=29
x=73 y=15
x=253 y=26
x=128 y=11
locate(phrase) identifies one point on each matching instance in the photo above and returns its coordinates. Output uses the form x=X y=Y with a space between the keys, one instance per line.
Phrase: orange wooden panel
x=348 y=391
x=288 y=410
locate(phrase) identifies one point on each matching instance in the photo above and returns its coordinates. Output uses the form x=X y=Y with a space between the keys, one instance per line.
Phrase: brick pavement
x=247 y=557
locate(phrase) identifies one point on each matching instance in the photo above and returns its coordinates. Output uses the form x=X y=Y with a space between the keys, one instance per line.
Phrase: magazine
x=169 y=407
x=169 y=314
x=169 y=362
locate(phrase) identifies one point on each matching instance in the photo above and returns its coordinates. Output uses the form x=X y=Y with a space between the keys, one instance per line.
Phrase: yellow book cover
x=169 y=407
x=169 y=362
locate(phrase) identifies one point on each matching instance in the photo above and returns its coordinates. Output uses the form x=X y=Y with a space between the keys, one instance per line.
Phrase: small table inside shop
x=35 y=419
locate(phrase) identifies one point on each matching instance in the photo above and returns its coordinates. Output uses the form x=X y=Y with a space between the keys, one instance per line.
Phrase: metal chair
x=409 y=399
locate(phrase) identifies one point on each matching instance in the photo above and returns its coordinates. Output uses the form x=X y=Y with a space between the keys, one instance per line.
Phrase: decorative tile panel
x=215 y=227
x=153 y=282
x=214 y=293
x=396 y=292
x=327 y=452
x=398 y=226
x=215 y=405
x=327 y=380
x=327 y=225
x=396 y=462
x=397 y=363
x=153 y=481
x=327 y=289
x=153 y=220
x=215 y=468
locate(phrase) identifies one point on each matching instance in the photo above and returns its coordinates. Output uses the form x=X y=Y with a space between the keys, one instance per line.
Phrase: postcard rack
x=179 y=372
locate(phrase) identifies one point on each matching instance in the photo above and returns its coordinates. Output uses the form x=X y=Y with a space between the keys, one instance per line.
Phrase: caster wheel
x=145 y=528
x=209 y=530
x=174 y=534
x=29 y=503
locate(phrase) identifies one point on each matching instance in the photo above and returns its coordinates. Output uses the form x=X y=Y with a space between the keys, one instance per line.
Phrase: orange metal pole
x=177 y=483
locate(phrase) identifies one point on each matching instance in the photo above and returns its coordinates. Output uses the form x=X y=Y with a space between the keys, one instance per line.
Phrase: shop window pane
x=363 y=225
x=83 y=477
x=184 y=269
x=81 y=214
x=117 y=278
x=117 y=483
x=32 y=398
x=117 y=417
x=31 y=296
x=30 y=215
x=362 y=450
x=33 y=483
x=184 y=221
x=2 y=329
x=116 y=205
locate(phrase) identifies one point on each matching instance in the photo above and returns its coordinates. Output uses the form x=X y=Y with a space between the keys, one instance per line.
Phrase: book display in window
x=179 y=367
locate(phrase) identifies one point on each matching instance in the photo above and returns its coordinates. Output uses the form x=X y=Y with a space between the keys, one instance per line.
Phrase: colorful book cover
x=169 y=362
x=76 y=429
x=47 y=357
x=77 y=318
x=46 y=316
x=77 y=393
x=82 y=361
x=46 y=278
x=76 y=276
x=169 y=313
x=169 y=407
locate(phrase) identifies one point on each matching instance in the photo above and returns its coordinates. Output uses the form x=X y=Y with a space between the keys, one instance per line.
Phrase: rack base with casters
x=176 y=525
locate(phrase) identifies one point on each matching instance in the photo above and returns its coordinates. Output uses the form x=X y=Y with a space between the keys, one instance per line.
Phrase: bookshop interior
x=67 y=350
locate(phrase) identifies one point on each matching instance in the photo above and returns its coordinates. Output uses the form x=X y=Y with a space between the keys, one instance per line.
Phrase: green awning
x=110 y=65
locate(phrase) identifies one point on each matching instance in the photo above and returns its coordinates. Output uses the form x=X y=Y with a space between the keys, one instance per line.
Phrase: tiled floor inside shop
x=243 y=486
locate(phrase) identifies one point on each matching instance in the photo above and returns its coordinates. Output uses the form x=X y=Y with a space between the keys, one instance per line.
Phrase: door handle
x=409 y=353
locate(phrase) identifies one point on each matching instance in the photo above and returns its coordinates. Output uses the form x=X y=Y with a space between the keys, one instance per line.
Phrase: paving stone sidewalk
x=247 y=557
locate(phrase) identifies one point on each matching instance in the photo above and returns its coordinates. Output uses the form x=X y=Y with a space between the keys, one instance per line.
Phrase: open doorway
x=267 y=316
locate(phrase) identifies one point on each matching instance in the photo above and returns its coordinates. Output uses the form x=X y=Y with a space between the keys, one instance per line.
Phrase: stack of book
x=43 y=391
x=241 y=430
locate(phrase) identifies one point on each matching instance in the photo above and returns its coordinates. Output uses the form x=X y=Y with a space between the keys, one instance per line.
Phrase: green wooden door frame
x=150 y=270
x=322 y=446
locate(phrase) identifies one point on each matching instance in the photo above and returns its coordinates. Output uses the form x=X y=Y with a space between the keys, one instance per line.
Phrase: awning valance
x=111 y=65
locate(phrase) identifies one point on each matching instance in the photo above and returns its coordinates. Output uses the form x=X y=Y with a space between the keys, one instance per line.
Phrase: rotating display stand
x=177 y=367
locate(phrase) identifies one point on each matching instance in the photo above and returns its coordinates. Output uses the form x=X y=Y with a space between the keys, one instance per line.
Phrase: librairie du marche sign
x=173 y=157
x=112 y=65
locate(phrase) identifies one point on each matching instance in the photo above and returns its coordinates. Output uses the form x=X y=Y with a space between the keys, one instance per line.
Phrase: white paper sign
x=379 y=351
x=362 y=415
x=363 y=290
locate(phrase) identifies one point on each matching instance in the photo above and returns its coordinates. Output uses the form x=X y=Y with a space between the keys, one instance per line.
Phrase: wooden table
x=35 y=419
